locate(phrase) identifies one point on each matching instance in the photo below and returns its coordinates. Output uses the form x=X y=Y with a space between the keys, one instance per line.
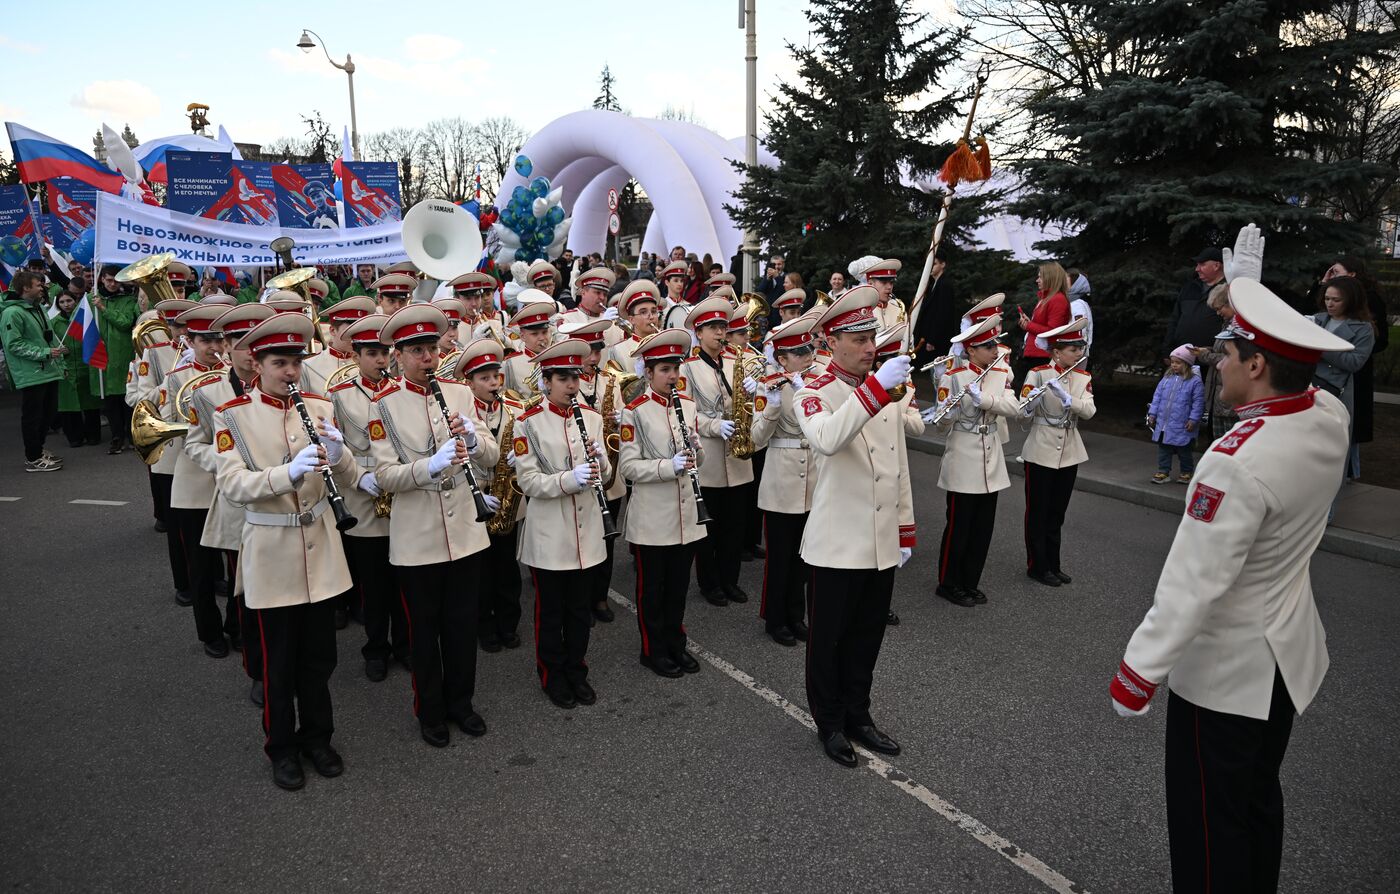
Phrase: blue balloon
x=523 y=165
x=546 y=235
x=339 y=191
x=519 y=195
x=555 y=216
x=539 y=187
x=84 y=247
x=14 y=251
x=522 y=255
x=473 y=206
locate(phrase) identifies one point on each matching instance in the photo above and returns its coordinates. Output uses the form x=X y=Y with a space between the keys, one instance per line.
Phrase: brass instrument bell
x=149 y=273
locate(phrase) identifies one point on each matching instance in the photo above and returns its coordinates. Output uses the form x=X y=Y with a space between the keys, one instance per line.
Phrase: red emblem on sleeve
x=223 y=440
x=376 y=430
x=811 y=406
x=1204 y=503
x=522 y=446
x=144 y=369
x=627 y=433
x=1234 y=439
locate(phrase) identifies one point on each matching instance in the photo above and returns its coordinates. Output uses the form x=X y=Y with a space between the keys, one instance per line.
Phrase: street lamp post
x=746 y=21
x=306 y=44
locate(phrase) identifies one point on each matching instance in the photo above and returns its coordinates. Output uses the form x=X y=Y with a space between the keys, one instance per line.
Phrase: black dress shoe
x=714 y=597
x=1043 y=577
x=956 y=595
x=758 y=552
x=838 y=748
x=472 y=725
x=216 y=648
x=892 y=619
x=873 y=739
x=184 y=598
x=799 y=630
x=491 y=645
x=342 y=618
x=255 y=693
x=687 y=663
x=1064 y=578
x=159 y=526
x=512 y=641
x=662 y=665
x=736 y=594
x=326 y=760
x=376 y=669
x=603 y=613
x=287 y=774
x=583 y=693
x=978 y=596
x=562 y=698
x=436 y=736
x=783 y=636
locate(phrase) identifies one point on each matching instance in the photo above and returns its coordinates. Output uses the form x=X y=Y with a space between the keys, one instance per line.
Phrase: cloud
x=12 y=45
x=431 y=47
x=126 y=101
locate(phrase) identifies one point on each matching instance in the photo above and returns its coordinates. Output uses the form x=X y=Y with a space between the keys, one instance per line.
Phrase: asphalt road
x=132 y=762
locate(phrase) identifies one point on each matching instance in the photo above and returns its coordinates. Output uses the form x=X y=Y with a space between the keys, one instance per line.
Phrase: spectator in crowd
x=79 y=411
x=565 y=264
x=837 y=284
x=714 y=267
x=1192 y=321
x=736 y=267
x=1344 y=313
x=34 y=357
x=365 y=275
x=622 y=279
x=678 y=253
x=1079 y=304
x=1051 y=312
x=1175 y=413
x=938 y=321
x=771 y=285
x=1222 y=416
x=695 y=285
x=1363 y=389
x=116 y=309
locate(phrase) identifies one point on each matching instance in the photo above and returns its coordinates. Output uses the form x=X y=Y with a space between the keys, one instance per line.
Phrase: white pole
x=750 y=131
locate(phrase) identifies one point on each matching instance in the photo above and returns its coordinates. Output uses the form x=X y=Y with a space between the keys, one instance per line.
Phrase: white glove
x=332 y=440
x=1247 y=260
x=491 y=502
x=928 y=413
x=444 y=457
x=306 y=460
x=369 y=484
x=1061 y=393
x=904 y=554
x=678 y=463
x=483 y=330
x=775 y=397
x=641 y=367
x=583 y=474
x=894 y=372
x=976 y=391
x=1125 y=711
x=797 y=383
x=726 y=429
x=750 y=385
x=610 y=314
x=468 y=430
x=510 y=459
x=768 y=353
x=187 y=356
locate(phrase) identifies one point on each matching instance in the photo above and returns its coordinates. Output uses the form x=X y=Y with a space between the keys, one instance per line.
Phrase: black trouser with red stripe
x=299 y=649
x=753 y=516
x=374 y=592
x=602 y=577
x=498 y=605
x=967 y=538
x=1047 y=498
x=160 y=494
x=785 y=575
x=1224 y=801
x=563 y=616
x=846 y=617
x=663 y=578
x=233 y=617
x=244 y=622
x=717 y=556
x=204 y=565
x=440 y=602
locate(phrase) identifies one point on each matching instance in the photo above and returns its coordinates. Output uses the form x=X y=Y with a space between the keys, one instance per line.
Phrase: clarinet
x=702 y=515
x=609 y=528
x=344 y=521
x=483 y=512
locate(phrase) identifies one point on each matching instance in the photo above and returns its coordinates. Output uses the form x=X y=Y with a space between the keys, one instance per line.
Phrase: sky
x=92 y=63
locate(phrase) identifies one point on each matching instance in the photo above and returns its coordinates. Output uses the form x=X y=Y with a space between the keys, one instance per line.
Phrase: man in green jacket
x=35 y=359
x=116 y=309
x=365 y=274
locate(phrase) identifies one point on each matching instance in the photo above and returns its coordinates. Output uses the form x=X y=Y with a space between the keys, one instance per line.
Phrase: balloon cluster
x=532 y=224
x=84 y=247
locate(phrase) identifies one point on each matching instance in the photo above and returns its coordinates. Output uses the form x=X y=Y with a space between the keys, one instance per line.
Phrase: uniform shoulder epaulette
x=957 y=369
x=238 y=401
x=639 y=400
x=312 y=395
x=533 y=411
x=587 y=409
x=1082 y=371
x=1234 y=439
x=683 y=396
x=181 y=368
x=207 y=380
x=348 y=383
x=822 y=380
x=694 y=351
x=513 y=404
x=1037 y=369
x=512 y=353
x=387 y=389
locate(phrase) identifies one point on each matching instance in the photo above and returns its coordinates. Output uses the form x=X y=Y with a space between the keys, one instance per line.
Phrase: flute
x=483 y=512
x=344 y=521
x=609 y=528
x=702 y=515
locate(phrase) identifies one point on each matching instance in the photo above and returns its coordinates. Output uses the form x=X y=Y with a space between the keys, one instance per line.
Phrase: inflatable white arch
x=684 y=168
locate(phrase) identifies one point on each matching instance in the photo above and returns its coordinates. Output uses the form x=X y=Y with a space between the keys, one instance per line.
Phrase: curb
x=1354 y=544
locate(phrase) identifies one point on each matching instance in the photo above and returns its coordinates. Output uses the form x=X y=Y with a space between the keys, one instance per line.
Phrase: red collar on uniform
x=198 y=367
x=556 y=410
x=416 y=389
x=848 y=378
x=341 y=355
x=663 y=399
x=483 y=405
x=1278 y=406
x=278 y=402
x=975 y=368
x=376 y=387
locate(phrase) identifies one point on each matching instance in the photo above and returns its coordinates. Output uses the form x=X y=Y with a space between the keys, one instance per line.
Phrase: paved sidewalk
x=1366 y=526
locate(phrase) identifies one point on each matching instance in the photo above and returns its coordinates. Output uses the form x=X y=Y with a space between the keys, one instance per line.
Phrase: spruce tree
x=1151 y=168
x=606 y=98
x=871 y=98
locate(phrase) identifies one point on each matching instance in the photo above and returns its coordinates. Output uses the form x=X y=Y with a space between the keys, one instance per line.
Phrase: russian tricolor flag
x=151 y=154
x=41 y=157
x=83 y=329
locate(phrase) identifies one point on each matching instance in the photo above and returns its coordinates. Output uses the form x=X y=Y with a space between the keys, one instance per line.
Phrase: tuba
x=756 y=314
x=149 y=273
x=504 y=487
x=150 y=433
x=149 y=333
x=746 y=364
x=185 y=395
x=442 y=240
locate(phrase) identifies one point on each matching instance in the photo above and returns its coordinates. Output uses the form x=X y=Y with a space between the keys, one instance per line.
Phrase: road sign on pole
x=614 y=223
x=612 y=200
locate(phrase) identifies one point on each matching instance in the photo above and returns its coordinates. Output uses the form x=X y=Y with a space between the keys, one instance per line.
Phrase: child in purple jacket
x=1174 y=415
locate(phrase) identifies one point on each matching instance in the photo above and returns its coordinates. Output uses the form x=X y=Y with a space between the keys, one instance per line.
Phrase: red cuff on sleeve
x=871 y=395
x=1129 y=689
x=906 y=536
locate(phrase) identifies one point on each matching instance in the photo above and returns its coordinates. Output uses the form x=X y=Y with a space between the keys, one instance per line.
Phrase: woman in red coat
x=1051 y=312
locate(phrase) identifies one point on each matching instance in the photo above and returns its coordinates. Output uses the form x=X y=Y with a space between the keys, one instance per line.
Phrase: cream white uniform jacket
x=862 y=510
x=193 y=486
x=1234 y=599
x=317 y=369
x=564 y=530
x=788 y=480
x=973 y=462
x=223 y=528
x=709 y=388
x=352 y=400
x=1054 y=440
x=661 y=510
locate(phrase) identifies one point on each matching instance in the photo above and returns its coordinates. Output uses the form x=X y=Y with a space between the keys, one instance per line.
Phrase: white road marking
x=97 y=502
x=893 y=775
x=10 y=499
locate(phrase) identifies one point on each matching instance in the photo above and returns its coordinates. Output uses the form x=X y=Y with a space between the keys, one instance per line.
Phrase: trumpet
x=609 y=527
x=1035 y=394
x=954 y=399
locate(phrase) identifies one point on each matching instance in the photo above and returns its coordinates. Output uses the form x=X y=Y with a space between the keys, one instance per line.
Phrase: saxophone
x=746 y=364
x=503 y=485
x=612 y=439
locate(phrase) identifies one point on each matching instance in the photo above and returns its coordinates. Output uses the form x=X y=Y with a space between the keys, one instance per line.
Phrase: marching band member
x=181 y=277
x=720 y=280
x=789 y=305
x=676 y=276
x=192 y=488
x=532 y=321
x=637 y=304
x=393 y=292
x=482 y=318
x=737 y=340
x=973 y=468
x=542 y=277
x=268 y=465
x=707 y=378
x=1053 y=449
x=852 y=545
x=737 y=336
x=823 y=355
x=320 y=291
x=455 y=309
x=375 y=593
x=316 y=370
x=435 y=542
x=223 y=528
x=882 y=275
x=785 y=493
x=591 y=295
x=1233 y=628
x=563 y=542
x=662 y=522
x=498 y=599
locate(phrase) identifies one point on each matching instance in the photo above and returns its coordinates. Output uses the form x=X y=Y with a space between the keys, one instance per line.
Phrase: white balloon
x=563 y=228
x=556 y=247
x=556 y=195
x=505 y=256
x=540 y=208
x=507 y=237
